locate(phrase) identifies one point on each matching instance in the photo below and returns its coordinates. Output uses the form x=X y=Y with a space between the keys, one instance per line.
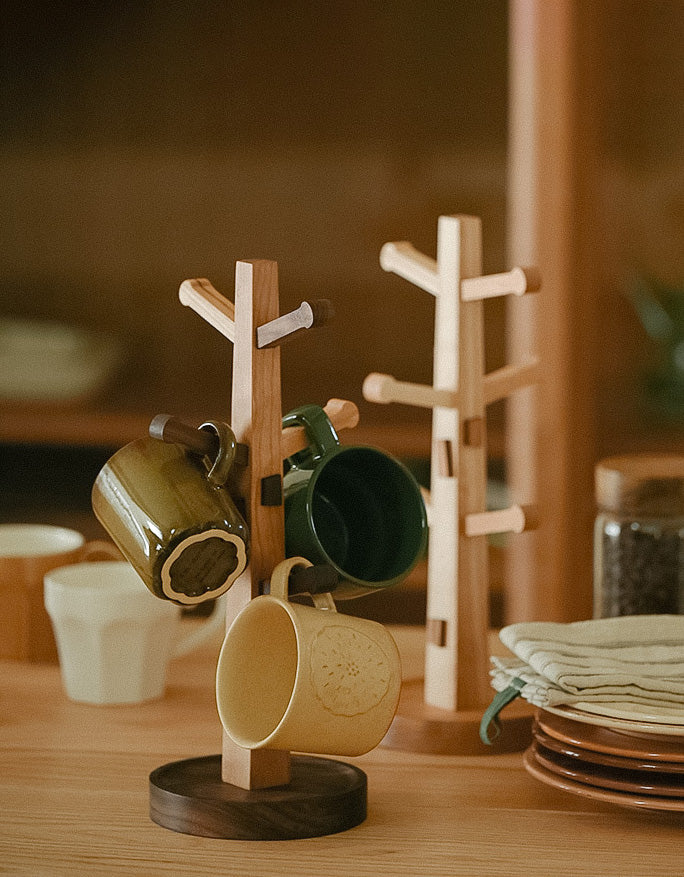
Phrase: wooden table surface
x=74 y=786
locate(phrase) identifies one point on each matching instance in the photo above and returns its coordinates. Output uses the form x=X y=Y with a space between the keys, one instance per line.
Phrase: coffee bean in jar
x=639 y=536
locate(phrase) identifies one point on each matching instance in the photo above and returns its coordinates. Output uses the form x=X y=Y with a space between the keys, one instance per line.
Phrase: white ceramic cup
x=114 y=638
x=308 y=679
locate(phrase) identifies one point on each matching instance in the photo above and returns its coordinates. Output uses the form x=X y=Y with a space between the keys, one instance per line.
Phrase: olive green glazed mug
x=172 y=516
x=352 y=507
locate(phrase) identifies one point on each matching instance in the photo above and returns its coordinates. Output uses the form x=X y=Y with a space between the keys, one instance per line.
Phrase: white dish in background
x=44 y=361
x=623 y=722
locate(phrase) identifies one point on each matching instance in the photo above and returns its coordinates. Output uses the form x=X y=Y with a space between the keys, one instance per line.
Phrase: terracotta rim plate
x=633 y=782
x=623 y=762
x=617 y=724
x=601 y=739
x=622 y=799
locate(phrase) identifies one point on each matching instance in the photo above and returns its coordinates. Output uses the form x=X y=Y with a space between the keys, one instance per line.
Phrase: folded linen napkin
x=635 y=659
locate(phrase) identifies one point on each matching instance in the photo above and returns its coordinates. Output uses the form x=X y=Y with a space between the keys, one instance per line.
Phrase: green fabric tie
x=491 y=715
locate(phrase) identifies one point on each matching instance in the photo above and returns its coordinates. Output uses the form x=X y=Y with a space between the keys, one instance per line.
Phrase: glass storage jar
x=639 y=536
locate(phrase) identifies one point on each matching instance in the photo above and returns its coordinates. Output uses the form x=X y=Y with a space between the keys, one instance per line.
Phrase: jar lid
x=641 y=484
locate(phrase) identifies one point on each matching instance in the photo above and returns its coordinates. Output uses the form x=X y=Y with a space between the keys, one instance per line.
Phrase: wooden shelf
x=108 y=427
x=70 y=425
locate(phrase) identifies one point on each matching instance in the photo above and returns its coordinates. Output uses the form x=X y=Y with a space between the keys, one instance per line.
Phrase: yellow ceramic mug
x=305 y=678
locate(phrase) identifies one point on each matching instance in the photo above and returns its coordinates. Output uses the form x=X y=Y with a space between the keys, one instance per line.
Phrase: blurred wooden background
x=145 y=143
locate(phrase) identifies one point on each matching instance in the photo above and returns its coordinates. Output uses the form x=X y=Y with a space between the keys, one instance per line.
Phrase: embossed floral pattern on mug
x=350 y=673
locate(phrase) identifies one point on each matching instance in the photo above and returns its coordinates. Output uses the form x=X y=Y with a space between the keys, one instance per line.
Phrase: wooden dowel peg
x=343 y=414
x=517 y=281
x=501 y=383
x=306 y=316
x=515 y=519
x=403 y=259
x=206 y=301
x=385 y=389
x=170 y=429
x=318 y=579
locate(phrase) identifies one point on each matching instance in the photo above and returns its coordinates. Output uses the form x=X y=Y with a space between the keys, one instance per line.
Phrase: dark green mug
x=172 y=516
x=352 y=507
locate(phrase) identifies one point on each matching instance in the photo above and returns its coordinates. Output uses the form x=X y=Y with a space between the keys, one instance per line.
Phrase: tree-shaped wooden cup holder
x=258 y=794
x=442 y=713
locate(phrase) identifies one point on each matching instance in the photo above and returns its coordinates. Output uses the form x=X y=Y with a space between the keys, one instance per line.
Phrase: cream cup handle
x=279 y=583
x=279 y=589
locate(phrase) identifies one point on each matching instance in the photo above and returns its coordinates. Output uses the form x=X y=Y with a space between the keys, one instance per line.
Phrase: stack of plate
x=629 y=756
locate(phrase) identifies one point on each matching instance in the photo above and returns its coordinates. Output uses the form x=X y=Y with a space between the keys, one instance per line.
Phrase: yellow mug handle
x=279 y=583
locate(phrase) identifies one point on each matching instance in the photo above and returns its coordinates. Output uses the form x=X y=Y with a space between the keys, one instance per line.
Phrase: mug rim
x=62 y=540
x=244 y=615
x=364 y=586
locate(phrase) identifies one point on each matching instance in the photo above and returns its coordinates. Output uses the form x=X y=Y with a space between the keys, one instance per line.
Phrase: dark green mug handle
x=320 y=432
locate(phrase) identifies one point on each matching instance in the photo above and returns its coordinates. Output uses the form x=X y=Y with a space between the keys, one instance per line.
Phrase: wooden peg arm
x=518 y=281
x=403 y=259
x=384 y=389
x=342 y=413
x=515 y=519
x=208 y=302
x=170 y=429
x=306 y=316
x=501 y=383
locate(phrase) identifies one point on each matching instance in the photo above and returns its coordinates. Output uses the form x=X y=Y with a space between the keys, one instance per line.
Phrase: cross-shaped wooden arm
x=219 y=312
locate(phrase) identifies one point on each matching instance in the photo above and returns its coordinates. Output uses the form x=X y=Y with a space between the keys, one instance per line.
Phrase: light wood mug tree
x=442 y=713
x=259 y=794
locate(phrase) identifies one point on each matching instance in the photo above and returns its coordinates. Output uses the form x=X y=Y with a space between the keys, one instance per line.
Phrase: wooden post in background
x=551 y=428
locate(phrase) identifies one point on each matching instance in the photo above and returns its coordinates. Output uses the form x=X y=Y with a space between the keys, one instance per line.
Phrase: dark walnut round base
x=323 y=797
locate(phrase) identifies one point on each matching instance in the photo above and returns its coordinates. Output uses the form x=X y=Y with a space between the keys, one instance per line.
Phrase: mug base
x=323 y=797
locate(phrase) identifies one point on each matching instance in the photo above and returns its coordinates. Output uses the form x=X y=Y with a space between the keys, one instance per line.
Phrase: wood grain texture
x=419 y=727
x=456 y=673
x=74 y=787
x=256 y=415
x=200 y=295
x=557 y=67
x=323 y=796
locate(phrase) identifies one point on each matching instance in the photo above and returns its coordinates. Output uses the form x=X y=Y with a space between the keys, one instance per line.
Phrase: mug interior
x=256 y=672
x=37 y=540
x=367 y=514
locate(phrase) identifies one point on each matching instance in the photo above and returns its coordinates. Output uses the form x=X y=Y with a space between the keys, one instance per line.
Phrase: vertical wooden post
x=256 y=420
x=456 y=659
x=551 y=429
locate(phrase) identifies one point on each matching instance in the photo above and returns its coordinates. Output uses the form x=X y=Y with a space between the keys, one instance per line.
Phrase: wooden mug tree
x=259 y=794
x=442 y=713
